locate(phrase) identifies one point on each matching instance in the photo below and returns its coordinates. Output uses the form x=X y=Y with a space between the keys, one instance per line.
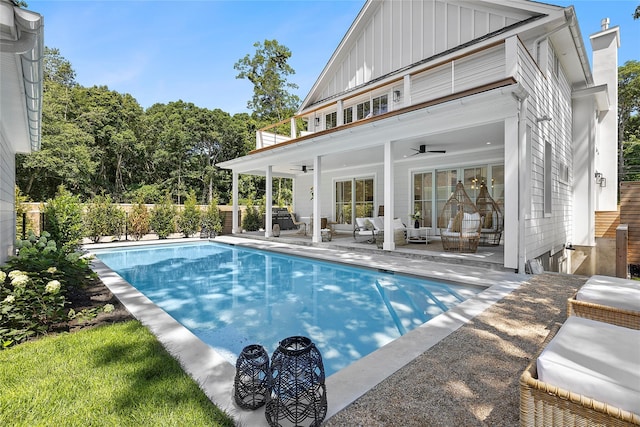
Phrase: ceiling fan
x=303 y=168
x=422 y=149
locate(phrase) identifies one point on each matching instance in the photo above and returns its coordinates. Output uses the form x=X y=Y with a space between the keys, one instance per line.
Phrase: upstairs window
x=331 y=120
x=363 y=110
x=380 y=105
x=347 y=114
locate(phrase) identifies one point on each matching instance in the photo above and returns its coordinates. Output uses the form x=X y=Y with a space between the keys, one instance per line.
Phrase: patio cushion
x=362 y=222
x=470 y=222
x=595 y=359
x=611 y=291
x=378 y=223
x=398 y=224
x=457 y=222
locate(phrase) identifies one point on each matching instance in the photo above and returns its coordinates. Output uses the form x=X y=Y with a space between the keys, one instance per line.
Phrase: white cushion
x=378 y=223
x=470 y=222
x=397 y=223
x=611 y=291
x=595 y=359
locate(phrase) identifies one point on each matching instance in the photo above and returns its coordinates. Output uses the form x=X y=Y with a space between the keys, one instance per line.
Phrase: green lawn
x=117 y=375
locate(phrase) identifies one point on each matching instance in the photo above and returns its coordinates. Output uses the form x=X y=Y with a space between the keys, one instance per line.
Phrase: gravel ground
x=471 y=377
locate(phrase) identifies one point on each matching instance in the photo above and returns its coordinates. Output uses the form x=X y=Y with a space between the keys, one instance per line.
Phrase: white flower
x=53 y=287
x=15 y=273
x=108 y=308
x=20 y=280
x=52 y=270
x=9 y=299
x=3 y=276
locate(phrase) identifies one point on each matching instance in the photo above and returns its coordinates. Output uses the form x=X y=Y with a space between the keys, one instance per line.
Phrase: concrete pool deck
x=349 y=389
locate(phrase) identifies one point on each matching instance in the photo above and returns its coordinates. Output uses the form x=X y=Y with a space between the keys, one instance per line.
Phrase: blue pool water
x=231 y=297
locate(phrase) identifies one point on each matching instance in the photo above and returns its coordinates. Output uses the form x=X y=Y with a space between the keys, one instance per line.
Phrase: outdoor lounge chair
x=300 y=225
x=576 y=380
x=364 y=230
x=608 y=299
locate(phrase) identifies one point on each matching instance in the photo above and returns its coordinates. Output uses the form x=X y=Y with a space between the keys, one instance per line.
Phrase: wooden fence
x=630 y=215
x=606 y=223
x=34 y=215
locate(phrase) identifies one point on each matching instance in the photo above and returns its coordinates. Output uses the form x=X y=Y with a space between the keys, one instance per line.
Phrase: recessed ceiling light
x=488 y=142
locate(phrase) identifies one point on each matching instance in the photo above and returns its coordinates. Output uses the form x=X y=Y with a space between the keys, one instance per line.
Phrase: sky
x=161 y=51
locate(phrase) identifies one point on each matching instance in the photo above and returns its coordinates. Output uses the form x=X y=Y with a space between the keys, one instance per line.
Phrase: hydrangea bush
x=33 y=288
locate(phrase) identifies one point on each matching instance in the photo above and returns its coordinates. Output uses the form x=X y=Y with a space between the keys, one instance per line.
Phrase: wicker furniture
x=543 y=404
x=492 y=219
x=608 y=299
x=459 y=223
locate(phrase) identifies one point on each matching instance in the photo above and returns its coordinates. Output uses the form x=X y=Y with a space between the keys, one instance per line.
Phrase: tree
x=636 y=14
x=628 y=109
x=268 y=70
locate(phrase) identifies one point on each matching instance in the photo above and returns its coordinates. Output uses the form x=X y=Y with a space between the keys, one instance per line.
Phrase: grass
x=115 y=375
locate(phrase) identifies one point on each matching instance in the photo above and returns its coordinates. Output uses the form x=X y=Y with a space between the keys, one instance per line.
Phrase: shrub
x=212 y=220
x=103 y=218
x=63 y=217
x=251 y=220
x=163 y=218
x=189 y=218
x=33 y=287
x=139 y=221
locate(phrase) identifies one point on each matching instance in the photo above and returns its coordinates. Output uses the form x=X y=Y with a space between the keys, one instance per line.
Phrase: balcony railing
x=437 y=80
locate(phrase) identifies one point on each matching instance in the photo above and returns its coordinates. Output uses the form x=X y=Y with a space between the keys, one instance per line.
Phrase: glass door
x=422 y=199
x=446 y=181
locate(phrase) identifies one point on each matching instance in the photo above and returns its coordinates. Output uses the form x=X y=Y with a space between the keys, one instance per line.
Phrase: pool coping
x=215 y=375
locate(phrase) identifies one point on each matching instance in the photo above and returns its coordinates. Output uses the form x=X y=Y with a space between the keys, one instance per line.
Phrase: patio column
x=389 y=242
x=268 y=211
x=317 y=202
x=234 y=201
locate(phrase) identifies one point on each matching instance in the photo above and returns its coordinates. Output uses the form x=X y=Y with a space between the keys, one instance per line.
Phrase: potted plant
x=416 y=218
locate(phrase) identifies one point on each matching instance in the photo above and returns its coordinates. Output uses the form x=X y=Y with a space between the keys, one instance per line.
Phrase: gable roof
x=389 y=36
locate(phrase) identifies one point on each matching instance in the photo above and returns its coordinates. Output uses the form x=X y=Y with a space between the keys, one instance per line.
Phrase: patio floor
x=491 y=257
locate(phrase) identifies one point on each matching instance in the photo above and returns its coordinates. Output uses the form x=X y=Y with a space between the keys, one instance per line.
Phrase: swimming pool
x=231 y=297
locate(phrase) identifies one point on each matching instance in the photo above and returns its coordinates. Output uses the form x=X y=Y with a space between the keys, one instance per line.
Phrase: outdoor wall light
x=317 y=121
x=600 y=180
x=396 y=96
x=544 y=118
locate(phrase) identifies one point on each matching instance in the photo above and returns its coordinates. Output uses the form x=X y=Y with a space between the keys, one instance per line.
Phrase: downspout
x=536 y=43
x=521 y=99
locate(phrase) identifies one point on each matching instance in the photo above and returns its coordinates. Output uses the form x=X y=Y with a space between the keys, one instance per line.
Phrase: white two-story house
x=21 y=56
x=420 y=95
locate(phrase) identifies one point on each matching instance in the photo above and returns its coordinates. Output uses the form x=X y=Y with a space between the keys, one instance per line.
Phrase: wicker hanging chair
x=459 y=223
x=492 y=219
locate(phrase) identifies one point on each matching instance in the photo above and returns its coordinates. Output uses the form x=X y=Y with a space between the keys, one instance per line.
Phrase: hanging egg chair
x=492 y=219
x=459 y=223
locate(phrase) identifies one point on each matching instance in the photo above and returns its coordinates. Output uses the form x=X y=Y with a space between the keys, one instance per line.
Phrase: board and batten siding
x=7 y=195
x=395 y=36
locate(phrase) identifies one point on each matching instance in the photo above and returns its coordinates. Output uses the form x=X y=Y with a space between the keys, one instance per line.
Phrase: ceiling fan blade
x=437 y=151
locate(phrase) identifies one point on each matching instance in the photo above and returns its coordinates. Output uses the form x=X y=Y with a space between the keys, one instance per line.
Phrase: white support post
x=294 y=131
x=268 y=229
x=317 y=202
x=406 y=97
x=234 y=200
x=389 y=241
